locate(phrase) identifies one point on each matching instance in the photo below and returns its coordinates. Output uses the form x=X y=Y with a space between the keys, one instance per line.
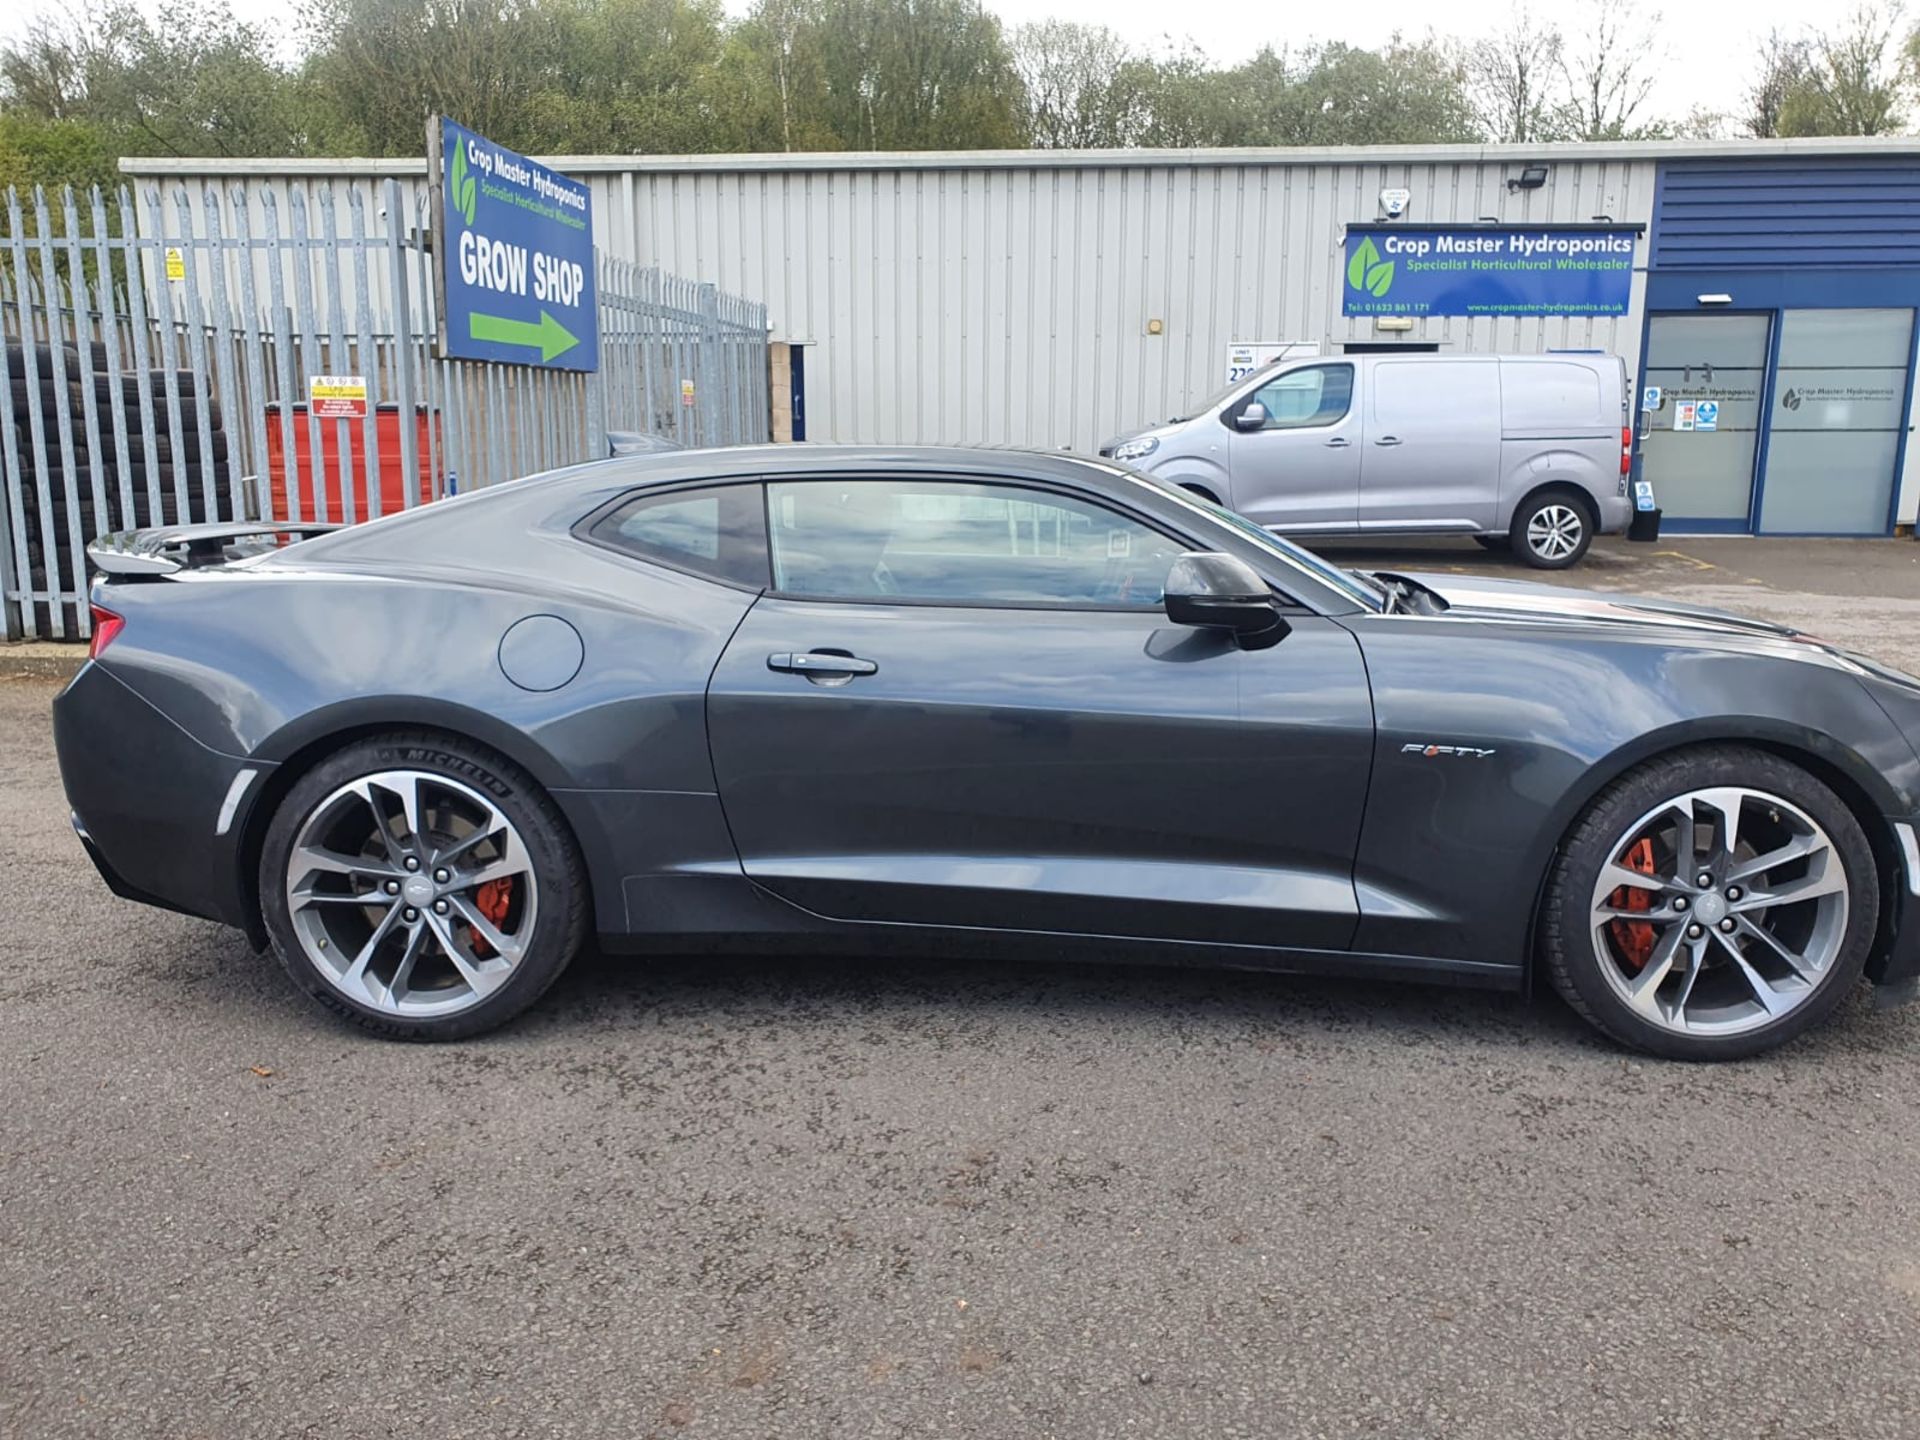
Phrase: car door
x=1299 y=471
x=1433 y=444
x=962 y=704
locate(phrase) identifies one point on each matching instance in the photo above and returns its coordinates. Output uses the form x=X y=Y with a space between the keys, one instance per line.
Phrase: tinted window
x=1317 y=395
x=719 y=532
x=962 y=543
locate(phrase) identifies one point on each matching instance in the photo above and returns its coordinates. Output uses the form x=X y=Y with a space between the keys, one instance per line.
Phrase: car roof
x=810 y=458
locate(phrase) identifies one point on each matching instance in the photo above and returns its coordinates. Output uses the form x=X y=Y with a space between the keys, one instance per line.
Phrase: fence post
x=710 y=387
x=14 y=569
x=596 y=386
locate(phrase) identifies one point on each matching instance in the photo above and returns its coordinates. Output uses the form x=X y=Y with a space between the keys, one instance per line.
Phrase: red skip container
x=393 y=480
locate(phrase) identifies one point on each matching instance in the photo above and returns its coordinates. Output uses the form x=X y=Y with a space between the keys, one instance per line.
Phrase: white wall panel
x=1005 y=299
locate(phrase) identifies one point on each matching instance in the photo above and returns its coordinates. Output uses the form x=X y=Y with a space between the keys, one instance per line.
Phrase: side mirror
x=1253 y=416
x=1218 y=592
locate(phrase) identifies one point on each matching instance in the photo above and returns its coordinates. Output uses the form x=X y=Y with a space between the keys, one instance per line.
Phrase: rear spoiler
x=172 y=548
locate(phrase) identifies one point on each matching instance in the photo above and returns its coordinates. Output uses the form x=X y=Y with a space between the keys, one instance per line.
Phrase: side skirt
x=712 y=915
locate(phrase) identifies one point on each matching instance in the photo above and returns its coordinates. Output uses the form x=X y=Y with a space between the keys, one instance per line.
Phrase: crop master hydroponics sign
x=516 y=256
x=1487 y=270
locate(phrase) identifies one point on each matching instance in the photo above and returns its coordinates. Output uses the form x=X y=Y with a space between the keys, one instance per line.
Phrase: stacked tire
x=187 y=459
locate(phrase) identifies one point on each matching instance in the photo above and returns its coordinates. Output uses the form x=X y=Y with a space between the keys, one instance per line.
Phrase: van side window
x=1313 y=395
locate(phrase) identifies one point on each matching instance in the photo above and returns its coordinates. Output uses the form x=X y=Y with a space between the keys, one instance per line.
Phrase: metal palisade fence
x=157 y=371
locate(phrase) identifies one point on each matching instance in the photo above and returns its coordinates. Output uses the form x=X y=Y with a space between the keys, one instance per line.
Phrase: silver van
x=1527 y=451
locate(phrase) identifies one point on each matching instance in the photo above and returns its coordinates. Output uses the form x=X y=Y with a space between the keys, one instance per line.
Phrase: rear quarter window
x=717 y=531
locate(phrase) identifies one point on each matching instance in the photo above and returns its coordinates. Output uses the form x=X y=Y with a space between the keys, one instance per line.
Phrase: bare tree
x=1510 y=79
x=1786 y=65
x=1609 y=73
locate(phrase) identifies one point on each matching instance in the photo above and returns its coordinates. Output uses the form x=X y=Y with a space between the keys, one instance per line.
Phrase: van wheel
x=1551 y=531
x=1204 y=493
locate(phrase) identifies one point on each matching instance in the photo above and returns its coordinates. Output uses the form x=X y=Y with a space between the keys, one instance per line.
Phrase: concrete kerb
x=41 y=659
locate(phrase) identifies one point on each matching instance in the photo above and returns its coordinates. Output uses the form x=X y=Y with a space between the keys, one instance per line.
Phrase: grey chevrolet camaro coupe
x=905 y=701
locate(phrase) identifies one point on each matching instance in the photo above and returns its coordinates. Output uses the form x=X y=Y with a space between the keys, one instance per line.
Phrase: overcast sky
x=1704 y=50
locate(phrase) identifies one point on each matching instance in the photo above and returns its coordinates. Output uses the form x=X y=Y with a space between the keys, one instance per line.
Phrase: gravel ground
x=825 y=1199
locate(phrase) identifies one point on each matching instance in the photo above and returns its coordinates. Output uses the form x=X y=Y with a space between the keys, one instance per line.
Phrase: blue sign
x=1706 y=415
x=1487 y=270
x=516 y=258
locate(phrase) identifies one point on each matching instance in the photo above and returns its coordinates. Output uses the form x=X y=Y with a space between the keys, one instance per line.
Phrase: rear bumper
x=148 y=800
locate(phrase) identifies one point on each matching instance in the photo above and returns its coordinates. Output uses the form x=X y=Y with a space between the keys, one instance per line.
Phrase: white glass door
x=1701 y=439
x=1834 y=429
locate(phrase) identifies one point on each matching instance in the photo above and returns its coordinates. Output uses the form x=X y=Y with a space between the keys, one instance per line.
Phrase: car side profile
x=1528 y=452
x=910 y=701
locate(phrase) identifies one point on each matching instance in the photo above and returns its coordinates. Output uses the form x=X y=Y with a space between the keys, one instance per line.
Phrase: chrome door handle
x=1338 y=442
x=1388 y=440
x=821 y=662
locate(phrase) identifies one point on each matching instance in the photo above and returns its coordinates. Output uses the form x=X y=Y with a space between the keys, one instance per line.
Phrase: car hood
x=1471 y=595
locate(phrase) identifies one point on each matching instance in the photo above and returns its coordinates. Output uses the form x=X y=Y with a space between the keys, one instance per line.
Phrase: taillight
x=1626 y=449
x=106 y=626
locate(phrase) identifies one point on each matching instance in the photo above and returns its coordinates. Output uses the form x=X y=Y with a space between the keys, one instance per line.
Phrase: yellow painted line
x=1690 y=559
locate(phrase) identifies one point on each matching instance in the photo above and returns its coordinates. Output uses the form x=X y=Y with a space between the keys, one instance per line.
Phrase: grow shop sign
x=515 y=246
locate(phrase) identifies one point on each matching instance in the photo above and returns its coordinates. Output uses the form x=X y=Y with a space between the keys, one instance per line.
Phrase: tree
x=1410 y=92
x=380 y=67
x=878 y=75
x=1512 y=77
x=210 y=88
x=1785 y=69
x=626 y=77
x=1081 y=85
x=1608 y=74
x=1854 y=80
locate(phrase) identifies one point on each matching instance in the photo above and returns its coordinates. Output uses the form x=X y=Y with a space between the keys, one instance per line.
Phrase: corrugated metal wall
x=1837 y=211
x=1007 y=298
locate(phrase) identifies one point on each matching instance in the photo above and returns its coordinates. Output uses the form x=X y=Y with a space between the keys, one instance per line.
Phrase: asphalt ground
x=818 y=1198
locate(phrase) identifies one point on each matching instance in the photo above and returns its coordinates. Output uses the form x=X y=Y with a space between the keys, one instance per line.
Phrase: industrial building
x=1763 y=294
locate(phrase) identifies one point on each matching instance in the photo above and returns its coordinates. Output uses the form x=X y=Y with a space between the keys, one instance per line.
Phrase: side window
x=961 y=543
x=718 y=532
x=1315 y=395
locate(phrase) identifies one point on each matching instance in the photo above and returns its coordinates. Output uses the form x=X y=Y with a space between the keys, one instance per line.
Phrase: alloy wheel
x=1720 y=911
x=1554 y=531
x=411 y=893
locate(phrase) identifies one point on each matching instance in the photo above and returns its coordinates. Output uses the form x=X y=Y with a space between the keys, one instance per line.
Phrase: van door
x=1300 y=470
x=1433 y=444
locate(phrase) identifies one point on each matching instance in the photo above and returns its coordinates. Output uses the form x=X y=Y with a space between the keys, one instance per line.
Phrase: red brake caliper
x=1634 y=937
x=492 y=900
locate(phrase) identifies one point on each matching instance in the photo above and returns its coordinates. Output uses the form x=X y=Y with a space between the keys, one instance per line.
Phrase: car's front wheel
x=1710 y=905
x=1551 y=531
x=422 y=887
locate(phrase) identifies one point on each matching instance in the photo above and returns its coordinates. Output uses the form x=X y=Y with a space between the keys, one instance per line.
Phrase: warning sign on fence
x=176 y=263
x=337 y=397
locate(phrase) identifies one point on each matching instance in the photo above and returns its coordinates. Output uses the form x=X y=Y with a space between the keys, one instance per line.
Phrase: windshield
x=1362 y=592
x=1219 y=397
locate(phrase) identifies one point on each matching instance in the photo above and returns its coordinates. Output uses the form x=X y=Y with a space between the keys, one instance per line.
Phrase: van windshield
x=1219 y=397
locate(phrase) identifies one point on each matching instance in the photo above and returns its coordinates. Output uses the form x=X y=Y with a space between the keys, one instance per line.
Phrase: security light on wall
x=1714 y=299
x=1530 y=178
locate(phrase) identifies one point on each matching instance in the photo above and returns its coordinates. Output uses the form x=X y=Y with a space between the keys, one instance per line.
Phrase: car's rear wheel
x=1710 y=905
x=1551 y=531
x=423 y=887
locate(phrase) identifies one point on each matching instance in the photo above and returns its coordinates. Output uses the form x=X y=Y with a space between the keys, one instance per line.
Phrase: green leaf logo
x=1367 y=271
x=465 y=193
